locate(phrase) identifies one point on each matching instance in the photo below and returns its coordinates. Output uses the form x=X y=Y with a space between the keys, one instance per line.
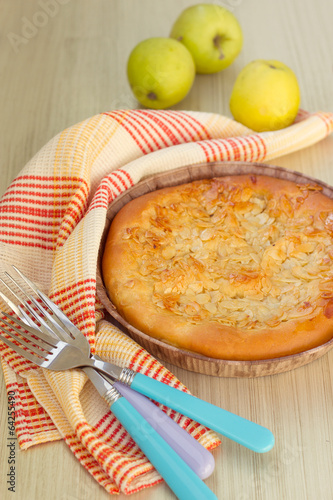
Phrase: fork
x=37 y=347
x=188 y=448
x=239 y=429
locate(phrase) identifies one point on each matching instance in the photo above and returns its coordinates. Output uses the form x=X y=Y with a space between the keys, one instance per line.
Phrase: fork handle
x=176 y=473
x=249 y=434
x=189 y=449
x=241 y=430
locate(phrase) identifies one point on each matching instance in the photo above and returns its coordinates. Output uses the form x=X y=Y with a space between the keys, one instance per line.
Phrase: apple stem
x=217 y=42
x=152 y=96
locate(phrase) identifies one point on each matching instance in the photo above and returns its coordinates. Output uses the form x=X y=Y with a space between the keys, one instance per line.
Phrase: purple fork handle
x=189 y=449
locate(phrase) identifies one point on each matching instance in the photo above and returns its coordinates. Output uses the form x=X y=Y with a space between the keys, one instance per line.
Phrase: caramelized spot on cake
x=328 y=309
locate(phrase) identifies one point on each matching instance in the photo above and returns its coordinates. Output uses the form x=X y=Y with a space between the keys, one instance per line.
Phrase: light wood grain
x=74 y=67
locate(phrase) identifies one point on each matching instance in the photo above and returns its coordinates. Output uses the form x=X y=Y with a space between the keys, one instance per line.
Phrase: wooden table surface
x=68 y=64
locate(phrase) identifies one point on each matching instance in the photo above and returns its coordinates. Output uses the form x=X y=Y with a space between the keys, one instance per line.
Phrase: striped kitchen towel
x=51 y=221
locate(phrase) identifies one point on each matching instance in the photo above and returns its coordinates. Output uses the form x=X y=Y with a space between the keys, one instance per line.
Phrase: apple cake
x=234 y=268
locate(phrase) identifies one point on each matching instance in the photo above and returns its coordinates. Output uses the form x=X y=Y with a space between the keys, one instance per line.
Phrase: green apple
x=160 y=72
x=211 y=33
x=265 y=96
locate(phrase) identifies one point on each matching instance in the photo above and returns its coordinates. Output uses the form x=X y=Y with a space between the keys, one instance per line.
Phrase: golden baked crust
x=237 y=267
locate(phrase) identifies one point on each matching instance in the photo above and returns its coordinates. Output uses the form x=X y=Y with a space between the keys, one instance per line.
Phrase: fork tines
x=36 y=348
x=33 y=310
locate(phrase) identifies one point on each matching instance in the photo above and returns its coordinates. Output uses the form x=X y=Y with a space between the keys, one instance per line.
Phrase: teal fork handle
x=177 y=474
x=243 y=431
x=189 y=449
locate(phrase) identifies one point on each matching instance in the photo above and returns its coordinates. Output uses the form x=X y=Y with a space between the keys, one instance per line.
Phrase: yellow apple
x=160 y=72
x=211 y=33
x=265 y=96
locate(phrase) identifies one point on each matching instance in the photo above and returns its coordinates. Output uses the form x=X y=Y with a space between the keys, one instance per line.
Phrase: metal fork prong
x=31 y=340
x=51 y=341
x=60 y=324
x=50 y=322
x=59 y=318
x=9 y=302
x=44 y=326
x=75 y=336
x=8 y=287
x=22 y=290
x=18 y=310
x=44 y=320
x=11 y=289
x=22 y=352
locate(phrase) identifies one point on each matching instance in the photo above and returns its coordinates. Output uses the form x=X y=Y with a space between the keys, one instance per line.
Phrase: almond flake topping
x=235 y=256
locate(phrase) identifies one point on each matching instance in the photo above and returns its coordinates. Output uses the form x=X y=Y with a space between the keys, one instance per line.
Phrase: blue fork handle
x=177 y=474
x=243 y=431
x=189 y=449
